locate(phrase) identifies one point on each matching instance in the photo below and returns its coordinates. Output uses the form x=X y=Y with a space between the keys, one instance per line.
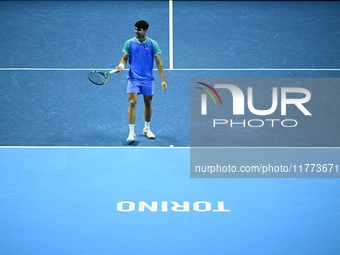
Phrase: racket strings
x=97 y=77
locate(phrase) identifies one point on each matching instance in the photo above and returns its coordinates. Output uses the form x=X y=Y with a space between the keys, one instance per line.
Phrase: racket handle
x=113 y=71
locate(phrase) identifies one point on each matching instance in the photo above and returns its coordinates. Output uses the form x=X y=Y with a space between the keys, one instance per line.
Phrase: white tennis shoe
x=147 y=132
x=132 y=137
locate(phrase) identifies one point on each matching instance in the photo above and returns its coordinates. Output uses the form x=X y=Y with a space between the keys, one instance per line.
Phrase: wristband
x=122 y=66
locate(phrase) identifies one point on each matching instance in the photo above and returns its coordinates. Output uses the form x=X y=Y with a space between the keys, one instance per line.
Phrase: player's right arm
x=123 y=61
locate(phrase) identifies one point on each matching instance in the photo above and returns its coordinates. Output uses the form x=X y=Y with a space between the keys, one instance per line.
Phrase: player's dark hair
x=142 y=24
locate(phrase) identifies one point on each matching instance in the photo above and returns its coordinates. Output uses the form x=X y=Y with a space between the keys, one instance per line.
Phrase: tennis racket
x=99 y=78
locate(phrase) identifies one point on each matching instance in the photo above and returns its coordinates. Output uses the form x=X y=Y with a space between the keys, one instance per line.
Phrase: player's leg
x=147 y=116
x=132 y=107
x=132 y=115
x=148 y=108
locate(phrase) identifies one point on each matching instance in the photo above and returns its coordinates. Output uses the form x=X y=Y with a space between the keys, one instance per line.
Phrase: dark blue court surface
x=44 y=108
x=61 y=107
x=256 y=34
x=83 y=190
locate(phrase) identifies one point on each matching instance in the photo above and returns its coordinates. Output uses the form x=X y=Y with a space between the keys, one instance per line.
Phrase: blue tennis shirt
x=141 y=58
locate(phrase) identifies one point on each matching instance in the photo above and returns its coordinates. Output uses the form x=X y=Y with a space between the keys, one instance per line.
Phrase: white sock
x=132 y=127
x=147 y=125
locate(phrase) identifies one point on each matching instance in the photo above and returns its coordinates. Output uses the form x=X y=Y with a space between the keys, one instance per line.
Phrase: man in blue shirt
x=141 y=52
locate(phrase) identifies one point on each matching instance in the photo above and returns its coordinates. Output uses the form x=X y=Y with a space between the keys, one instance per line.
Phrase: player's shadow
x=134 y=143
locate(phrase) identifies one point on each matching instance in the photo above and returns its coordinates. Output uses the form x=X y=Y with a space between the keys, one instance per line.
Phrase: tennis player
x=141 y=52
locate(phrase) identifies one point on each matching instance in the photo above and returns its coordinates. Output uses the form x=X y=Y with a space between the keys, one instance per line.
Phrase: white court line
x=153 y=147
x=171 y=45
x=166 y=69
x=278 y=147
x=255 y=69
x=92 y=147
x=49 y=69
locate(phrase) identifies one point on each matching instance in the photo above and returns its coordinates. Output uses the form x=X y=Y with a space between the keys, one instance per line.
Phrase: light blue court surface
x=70 y=184
x=64 y=201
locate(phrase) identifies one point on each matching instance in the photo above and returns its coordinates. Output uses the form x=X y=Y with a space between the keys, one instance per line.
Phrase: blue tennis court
x=71 y=184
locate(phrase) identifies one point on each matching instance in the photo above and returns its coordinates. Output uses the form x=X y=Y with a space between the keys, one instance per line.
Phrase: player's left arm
x=161 y=71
